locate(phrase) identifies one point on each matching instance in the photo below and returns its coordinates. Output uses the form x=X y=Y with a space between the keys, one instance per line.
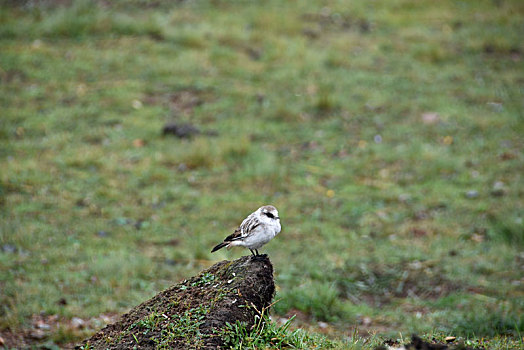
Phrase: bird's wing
x=234 y=236
x=249 y=224
x=245 y=229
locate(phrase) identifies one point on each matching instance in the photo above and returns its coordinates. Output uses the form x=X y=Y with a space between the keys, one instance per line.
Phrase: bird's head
x=269 y=213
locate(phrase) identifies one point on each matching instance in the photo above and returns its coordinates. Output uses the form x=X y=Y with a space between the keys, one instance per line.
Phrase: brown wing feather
x=245 y=228
x=249 y=224
x=235 y=235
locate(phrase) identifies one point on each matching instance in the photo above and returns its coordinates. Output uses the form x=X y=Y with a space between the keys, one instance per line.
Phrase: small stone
x=9 y=248
x=102 y=234
x=450 y=339
x=499 y=189
x=77 y=323
x=430 y=118
x=170 y=262
x=472 y=194
x=322 y=325
x=137 y=104
x=42 y=325
x=37 y=334
x=416 y=265
x=37 y=44
x=182 y=131
x=477 y=238
x=106 y=319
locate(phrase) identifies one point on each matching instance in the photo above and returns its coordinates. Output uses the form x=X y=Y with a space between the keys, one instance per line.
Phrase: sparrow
x=255 y=231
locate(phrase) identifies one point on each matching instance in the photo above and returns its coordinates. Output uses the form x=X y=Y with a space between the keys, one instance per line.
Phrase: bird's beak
x=278 y=218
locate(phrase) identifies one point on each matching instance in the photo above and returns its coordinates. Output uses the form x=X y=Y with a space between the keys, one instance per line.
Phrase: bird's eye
x=269 y=215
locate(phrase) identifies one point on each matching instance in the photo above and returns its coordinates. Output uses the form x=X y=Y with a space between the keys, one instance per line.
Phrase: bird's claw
x=259 y=257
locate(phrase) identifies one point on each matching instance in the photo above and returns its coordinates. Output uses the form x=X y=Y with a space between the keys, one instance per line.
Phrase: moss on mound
x=191 y=314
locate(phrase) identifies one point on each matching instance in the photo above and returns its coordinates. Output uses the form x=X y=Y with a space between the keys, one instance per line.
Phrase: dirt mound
x=191 y=314
x=419 y=344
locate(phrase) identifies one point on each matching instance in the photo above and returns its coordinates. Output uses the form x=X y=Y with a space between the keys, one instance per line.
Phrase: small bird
x=255 y=231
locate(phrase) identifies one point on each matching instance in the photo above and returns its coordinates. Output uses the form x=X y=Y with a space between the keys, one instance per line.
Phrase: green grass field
x=389 y=134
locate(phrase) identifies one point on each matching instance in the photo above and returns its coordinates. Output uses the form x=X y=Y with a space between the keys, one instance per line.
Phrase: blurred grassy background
x=387 y=133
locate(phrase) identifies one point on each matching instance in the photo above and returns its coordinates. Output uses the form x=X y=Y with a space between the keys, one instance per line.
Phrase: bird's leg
x=258 y=256
x=251 y=250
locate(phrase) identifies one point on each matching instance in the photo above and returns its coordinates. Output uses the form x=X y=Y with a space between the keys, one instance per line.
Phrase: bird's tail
x=219 y=246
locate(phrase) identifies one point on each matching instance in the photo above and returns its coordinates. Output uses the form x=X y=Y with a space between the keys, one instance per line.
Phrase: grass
x=388 y=135
x=265 y=334
x=184 y=326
